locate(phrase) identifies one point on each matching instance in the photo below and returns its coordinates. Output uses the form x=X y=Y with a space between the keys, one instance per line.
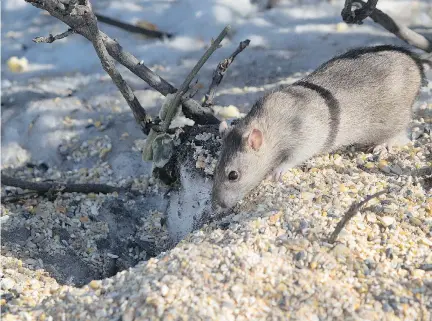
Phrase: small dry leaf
x=61 y=209
x=67 y=120
x=275 y=218
x=124 y=136
x=146 y=25
x=341 y=27
x=16 y=64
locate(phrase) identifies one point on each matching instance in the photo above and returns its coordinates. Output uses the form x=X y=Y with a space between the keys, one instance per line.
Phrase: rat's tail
x=426 y=61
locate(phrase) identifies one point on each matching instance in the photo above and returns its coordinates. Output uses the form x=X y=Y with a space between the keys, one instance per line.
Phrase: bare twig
x=52 y=38
x=399 y=30
x=194 y=89
x=357 y=16
x=84 y=13
x=45 y=187
x=191 y=108
x=172 y=106
x=109 y=66
x=132 y=28
x=171 y=111
x=402 y=32
x=18 y=197
x=220 y=71
x=354 y=208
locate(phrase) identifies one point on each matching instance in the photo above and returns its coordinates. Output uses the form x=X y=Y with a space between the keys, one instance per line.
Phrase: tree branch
x=45 y=187
x=18 y=197
x=354 y=208
x=109 y=66
x=402 y=32
x=52 y=38
x=369 y=10
x=185 y=85
x=220 y=71
x=357 y=16
x=169 y=111
x=64 y=12
x=132 y=28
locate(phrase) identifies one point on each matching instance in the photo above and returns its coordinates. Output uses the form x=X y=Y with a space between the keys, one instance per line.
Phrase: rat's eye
x=233 y=175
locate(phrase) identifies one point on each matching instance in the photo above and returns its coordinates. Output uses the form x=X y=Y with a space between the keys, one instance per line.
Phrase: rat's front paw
x=279 y=172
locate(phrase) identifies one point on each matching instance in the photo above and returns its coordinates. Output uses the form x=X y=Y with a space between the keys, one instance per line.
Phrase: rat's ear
x=255 y=139
x=224 y=128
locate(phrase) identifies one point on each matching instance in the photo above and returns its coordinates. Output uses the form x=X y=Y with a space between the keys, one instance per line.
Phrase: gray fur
x=364 y=96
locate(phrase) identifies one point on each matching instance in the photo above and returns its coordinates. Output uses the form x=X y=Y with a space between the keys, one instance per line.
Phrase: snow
x=187 y=205
x=286 y=41
x=292 y=26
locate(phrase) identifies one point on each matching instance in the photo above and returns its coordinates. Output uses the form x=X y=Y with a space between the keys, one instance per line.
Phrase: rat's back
x=369 y=92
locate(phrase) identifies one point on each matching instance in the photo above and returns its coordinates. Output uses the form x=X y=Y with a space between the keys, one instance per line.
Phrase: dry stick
x=52 y=38
x=89 y=23
x=109 y=66
x=220 y=71
x=191 y=108
x=359 y=14
x=402 y=32
x=171 y=110
x=45 y=187
x=399 y=30
x=354 y=208
x=132 y=28
x=18 y=197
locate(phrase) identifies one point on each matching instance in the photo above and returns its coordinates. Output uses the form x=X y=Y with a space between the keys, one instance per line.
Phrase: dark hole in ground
x=78 y=239
x=121 y=247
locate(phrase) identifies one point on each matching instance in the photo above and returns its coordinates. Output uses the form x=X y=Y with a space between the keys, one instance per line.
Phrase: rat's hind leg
x=399 y=139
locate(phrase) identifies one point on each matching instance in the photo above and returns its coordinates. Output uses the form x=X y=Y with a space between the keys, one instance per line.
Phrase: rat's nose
x=217 y=203
x=216 y=199
x=222 y=205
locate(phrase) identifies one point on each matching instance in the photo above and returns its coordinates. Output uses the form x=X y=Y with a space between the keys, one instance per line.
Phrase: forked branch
x=51 y=38
x=402 y=32
x=368 y=9
x=67 y=13
x=220 y=71
x=357 y=16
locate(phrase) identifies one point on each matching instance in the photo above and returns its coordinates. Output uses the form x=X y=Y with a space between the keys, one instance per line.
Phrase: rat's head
x=241 y=166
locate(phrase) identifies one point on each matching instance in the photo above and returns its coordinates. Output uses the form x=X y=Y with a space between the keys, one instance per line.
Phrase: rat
x=364 y=96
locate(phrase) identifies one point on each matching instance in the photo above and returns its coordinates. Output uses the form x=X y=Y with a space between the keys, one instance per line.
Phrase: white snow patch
x=188 y=205
x=14 y=155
